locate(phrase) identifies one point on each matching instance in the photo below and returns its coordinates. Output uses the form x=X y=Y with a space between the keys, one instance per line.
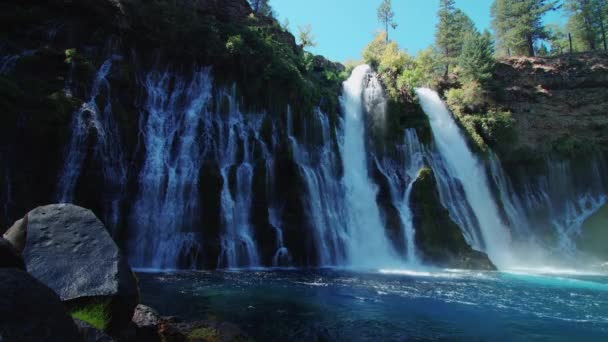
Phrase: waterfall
x=463 y=165
x=367 y=245
x=238 y=148
x=324 y=194
x=92 y=122
x=166 y=208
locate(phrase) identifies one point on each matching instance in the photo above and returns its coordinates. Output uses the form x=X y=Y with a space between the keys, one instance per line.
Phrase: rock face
x=594 y=234
x=30 y=311
x=69 y=250
x=9 y=256
x=556 y=100
x=437 y=236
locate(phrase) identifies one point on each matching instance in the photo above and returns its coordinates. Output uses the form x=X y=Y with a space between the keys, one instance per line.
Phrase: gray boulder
x=147 y=321
x=69 y=249
x=16 y=234
x=30 y=311
x=9 y=256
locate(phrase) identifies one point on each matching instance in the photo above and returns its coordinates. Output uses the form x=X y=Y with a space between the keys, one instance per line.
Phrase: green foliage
x=235 y=45
x=398 y=70
x=255 y=51
x=476 y=62
x=386 y=16
x=494 y=128
x=587 y=22
x=453 y=26
x=518 y=24
x=571 y=147
x=557 y=36
x=96 y=315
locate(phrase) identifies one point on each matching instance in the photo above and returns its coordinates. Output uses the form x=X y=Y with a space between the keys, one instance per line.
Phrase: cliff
x=559 y=104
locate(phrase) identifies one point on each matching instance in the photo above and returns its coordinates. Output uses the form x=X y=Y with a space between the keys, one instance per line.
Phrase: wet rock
x=69 y=249
x=438 y=238
x=90 y=334
x=30 y=311
x=9 y=256
x=16 y=234
x=147 y=321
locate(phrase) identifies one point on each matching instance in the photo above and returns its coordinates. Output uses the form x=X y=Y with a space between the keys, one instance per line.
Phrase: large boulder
x=438 y=237
x=9 y=256
x=30 y=311
x=69 y=249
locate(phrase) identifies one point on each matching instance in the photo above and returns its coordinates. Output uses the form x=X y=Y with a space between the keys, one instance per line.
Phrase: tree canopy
x=518 y=24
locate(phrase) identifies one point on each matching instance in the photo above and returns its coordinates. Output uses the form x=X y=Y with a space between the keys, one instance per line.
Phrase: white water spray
x=464 y=165
x=368 y=245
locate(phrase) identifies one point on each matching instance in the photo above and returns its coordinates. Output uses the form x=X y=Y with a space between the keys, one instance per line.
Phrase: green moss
x=96 y=314
x=572 y=147
x=595 y=234
x=206 y=334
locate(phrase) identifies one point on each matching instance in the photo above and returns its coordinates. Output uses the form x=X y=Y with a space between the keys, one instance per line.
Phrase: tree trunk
x=530 y=43
x=570 y=41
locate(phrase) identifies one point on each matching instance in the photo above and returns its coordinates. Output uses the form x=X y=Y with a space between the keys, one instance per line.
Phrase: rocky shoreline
x=65 y=279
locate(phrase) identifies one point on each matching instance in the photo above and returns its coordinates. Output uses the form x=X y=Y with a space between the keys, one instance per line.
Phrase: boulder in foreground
x=30 y=311
x=68 y=249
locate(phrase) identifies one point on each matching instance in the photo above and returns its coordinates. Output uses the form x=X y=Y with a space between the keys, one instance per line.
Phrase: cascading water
x=236 y=151
x=367 y=243
x=401 y=172
x=324 y=196
x=166 y=208
x=92 y=122
x=463 y=165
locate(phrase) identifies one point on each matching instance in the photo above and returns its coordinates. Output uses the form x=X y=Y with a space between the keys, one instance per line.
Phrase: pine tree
x=386 y=15
x=476 y=61
x=584 y=21
x=518 y=24
x=453 y=26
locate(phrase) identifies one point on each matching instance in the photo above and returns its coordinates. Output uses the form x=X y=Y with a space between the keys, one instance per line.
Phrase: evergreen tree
x=452 y=28
x=518 y=24
x=587 y=21
x=386 y=15
x=476 y=61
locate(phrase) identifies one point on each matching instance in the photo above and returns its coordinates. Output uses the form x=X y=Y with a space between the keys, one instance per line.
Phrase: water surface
x=388 y=305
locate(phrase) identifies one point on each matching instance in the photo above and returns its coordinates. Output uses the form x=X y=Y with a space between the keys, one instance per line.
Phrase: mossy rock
x=438 y=237
x=96 y=313
x=594 y=234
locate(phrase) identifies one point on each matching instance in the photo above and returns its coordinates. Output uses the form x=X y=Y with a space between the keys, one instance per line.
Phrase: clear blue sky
x=343 y=27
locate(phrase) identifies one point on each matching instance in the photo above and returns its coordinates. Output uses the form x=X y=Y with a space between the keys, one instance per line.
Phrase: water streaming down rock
x=367 y=243
x=166 y=208
x=401 y=172
x=462 y=164
x=95 y=132
x=237 y=147
x=553 y=204
x=323 y=197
